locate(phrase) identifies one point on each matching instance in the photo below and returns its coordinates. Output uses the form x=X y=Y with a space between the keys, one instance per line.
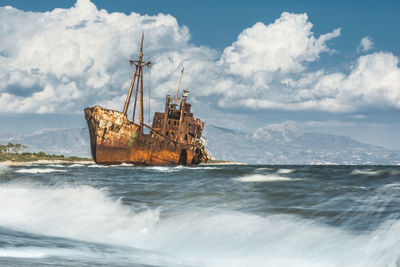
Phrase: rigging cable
x=149 y=96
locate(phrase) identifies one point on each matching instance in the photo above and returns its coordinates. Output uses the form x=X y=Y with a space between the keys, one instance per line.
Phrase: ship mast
x=179 y=86
x=138 y=73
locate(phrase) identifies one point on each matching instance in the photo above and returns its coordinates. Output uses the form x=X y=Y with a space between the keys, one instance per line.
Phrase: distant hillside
x=273 y=144
x=285 y=144
x=68 y=142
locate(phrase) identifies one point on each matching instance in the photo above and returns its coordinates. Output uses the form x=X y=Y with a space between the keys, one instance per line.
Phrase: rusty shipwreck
x=174 y=137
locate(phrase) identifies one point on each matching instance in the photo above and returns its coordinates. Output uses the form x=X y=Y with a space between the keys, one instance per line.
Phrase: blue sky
x=217 y=23
x=346 y=83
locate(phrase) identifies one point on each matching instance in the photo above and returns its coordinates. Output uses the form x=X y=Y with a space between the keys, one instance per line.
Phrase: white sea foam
x=75 y=212
x=264 y=178
x=265 y=169
x=39 y=170
x=4 y=169
x=163 y=168
x=285 y=171
x=37 y=252
x=55 y=165
x=127 y=165
x=198 y=167
x=98 y=166
x=206 y=168
x=76 y=165
x=367 y=172
x=123 y=165
x=200 y=237
x=395 y=185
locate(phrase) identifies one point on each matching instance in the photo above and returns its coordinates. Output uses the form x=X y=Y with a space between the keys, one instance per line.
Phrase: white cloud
x=373 y=82
x=366 y=44
x=67 y=59
x=46 y=58
x=281 y=46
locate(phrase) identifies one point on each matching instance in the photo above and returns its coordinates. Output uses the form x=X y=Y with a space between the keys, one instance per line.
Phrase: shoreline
x=44 y=162
x=222 y=163
x=90 y=162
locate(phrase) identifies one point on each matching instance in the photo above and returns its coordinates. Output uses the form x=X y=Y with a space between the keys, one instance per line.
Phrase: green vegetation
x=16 y=152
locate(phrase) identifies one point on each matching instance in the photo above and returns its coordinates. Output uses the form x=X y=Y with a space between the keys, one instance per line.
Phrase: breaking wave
x=265 y=169
x=264 y=178
x=98 y=166
x=35 y=252
x=55 y=165
x=285 y=171
x=4 y=169
x=202 y=237
x=367 y=172
x=162 y=168
x=39 y=170
x=76 y=165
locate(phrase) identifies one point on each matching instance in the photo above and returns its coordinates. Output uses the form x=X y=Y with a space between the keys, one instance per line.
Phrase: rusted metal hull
x=114 y=140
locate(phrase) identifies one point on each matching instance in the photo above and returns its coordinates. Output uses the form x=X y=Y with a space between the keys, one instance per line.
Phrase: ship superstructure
x=174 y=137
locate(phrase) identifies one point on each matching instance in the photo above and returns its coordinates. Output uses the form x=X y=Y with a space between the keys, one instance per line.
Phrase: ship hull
x=115 y=140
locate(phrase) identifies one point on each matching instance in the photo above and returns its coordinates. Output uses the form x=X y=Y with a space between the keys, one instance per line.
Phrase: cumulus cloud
x=374 y=81
x=67 y=59
x=62 y=60
x=281 y=46
x=366 y=44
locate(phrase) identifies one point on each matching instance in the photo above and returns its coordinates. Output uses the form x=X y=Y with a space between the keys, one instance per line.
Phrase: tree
x=41 y=154
x=10 y=147
x=2 y=148
x=17 y=148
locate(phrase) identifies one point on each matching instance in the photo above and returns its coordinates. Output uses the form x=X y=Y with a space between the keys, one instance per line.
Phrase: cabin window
x=185 y=136
x=167 y=133
x=174 y=122
x=172 y=134
x=169 y=122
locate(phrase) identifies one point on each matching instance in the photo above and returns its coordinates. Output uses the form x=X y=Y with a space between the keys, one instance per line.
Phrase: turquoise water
x=76 y=215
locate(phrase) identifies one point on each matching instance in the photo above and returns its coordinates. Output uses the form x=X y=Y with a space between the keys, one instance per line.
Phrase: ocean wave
x=394 y=185
x=4 y=169
x=206 y=168
x=55 y=165
x=75 y=165
x=368 y=172
x=163 y=168
x=36 y=252
x=265 y=169
x=98 y=166
x=39 y=170
x=285 y=171
x=78 y=212
x=123 y=165
x=206 y=237
x=264 y=178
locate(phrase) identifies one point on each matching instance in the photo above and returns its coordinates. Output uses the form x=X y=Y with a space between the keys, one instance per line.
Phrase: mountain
x=285 y=144
x=272 y=144
x=68 y=142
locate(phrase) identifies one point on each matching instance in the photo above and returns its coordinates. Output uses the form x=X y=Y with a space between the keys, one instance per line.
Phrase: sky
x=324 y=66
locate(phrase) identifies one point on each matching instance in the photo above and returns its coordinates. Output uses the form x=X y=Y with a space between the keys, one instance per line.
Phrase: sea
x=221 y=215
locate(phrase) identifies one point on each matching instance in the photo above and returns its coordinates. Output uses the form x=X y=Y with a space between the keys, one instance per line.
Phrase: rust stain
x=174 y=137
